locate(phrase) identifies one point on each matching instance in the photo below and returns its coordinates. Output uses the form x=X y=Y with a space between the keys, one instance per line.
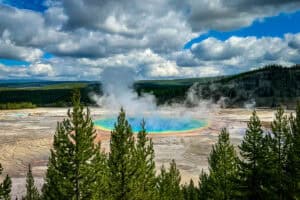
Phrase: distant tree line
x=20 y=105
x=266 y=167
x=270 y=86
x=51 y=97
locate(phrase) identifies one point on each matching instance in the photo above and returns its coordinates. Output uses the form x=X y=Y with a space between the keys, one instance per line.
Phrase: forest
x=270 y=86
x=266 y=165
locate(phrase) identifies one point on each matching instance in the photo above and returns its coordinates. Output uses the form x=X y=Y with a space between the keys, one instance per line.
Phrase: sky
x=157 y=39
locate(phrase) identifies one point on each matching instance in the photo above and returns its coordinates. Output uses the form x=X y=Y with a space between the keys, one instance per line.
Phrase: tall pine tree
x=31 y=191
x=70 y=168
x=5 y=186
x=100 y=187
x=223 y=170
x=293 y=161
x=204 y=186
x=251 y=165
x=168 y=184
x=190 y=192
x=121 y=160
x=279 y=143
x=145 y=180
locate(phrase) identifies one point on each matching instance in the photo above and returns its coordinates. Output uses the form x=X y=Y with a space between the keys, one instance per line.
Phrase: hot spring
x=155 y=124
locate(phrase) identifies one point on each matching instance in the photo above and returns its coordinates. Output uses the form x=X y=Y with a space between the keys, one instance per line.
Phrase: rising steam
x=117 y=86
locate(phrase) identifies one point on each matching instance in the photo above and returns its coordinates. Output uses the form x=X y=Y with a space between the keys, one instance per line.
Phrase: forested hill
x=267 y=87
x=270 y=86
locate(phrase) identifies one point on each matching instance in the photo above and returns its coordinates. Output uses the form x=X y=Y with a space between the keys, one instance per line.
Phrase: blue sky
x=61 y=39
x=275 y=26
x=36 y=5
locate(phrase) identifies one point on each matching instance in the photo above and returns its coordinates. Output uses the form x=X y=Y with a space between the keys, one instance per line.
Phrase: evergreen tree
x=59 y=177
x=122 y=169
x=293 y=161
x=203 y=186
x=5 y=186
x=31 y=191
x=252 y=164
x=100 y=171
x=279 y=143
x=190 y=192
x=168 y=184
x=223 y=168
x=145 y=179
x=70 y=168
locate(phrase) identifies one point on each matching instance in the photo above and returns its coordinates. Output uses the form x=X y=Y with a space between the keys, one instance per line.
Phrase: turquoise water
x=155 y=124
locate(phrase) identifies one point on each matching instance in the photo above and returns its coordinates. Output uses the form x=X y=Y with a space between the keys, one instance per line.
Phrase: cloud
x=242 y=53
x=26 y=28
x=147 y=36
x=150 y=65
x=41 y=69
x=9 y=50
x=293 y=41
x=12 y=72
x=225 y=15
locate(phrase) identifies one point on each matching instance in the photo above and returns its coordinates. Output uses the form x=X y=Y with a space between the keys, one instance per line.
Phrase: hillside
x=267 y=87
x=270 y=86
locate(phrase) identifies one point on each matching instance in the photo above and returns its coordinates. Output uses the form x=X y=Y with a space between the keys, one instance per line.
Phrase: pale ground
x=26 y=137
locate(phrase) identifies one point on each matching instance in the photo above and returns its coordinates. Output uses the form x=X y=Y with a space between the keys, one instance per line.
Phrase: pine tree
x=279 y=148
x=168 y=184
x=190 y=192
x=31 y=191
x=122 y=169
x=223 y=168
x=60 y=173
x=293 y=161
x=251 y=166
x=100 y=171
x=5 y=186
x=204 y=186
x=145 y=179
x=70 y=168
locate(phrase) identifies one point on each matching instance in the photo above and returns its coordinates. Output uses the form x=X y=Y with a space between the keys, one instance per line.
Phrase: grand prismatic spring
x=155 y=125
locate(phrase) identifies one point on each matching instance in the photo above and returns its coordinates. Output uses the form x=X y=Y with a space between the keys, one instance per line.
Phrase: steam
x=118 y=91
x=250 y=105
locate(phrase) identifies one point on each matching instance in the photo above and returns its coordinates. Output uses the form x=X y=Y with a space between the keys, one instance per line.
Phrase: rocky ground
x=26 y=137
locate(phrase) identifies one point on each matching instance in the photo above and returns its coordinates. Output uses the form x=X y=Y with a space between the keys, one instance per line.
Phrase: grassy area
x=179 y=82
x=18 y=105
x=55 y=86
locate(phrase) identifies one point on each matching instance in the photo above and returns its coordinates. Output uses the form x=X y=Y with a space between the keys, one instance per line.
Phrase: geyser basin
x=155 y=124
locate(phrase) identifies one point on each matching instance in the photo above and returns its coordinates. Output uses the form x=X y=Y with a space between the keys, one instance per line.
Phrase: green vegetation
x=145 y=180
x=121 y=160
x=266 y=167
x=270 y=86
x=5 y=186
x=55 y=95
x=168 y=183
x=293 y=158
x=31 y=191
x=223 y=170
x=252 y=165
x=41 y=86
x=20 y=105
x=70 y=172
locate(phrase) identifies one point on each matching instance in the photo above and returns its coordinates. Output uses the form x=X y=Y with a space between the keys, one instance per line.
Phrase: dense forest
x=266 y=165
x=270 y=86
